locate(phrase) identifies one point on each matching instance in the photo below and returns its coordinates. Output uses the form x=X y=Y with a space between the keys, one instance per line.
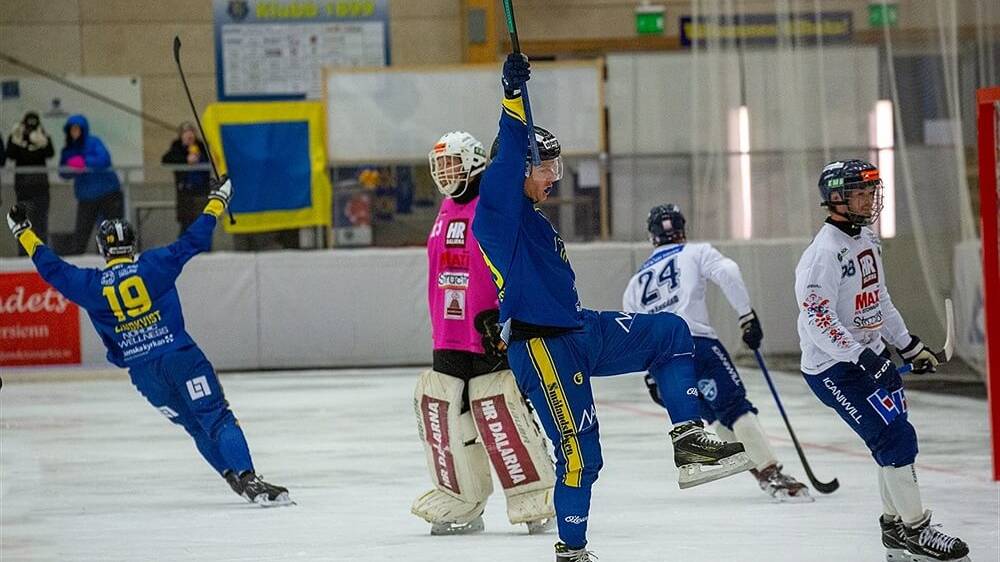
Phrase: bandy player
x=469 y=410
x=844 y=314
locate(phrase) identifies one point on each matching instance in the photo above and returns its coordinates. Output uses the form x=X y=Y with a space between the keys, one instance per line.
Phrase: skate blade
x=541 y=526
x=922 y=558
x=801 y=498
x=695 y=474
x=280 y=501
x=448 y=529
x=897 y=555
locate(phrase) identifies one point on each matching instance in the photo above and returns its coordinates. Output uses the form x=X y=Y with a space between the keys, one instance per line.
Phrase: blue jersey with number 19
x=525 y=254
x=133 y=304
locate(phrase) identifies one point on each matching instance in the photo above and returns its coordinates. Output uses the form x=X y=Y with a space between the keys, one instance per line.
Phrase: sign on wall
x=767 y=29
x=38 y=326
x=276 y=49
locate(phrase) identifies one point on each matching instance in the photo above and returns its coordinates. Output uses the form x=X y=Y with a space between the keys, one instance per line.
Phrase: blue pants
x=182 y=385
x=554 y=373
x=723 y=396
x=878 y=416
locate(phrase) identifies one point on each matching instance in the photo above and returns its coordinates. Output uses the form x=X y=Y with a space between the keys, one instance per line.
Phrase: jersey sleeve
x=726 y=274
x=166 y=263
x=818 y=306
x=66 y=278
x=502 y=187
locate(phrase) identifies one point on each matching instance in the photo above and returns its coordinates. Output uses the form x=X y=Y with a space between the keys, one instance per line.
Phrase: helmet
x=548 y=149
x=115 y=239
x=455 y=159
x=665 y=224
x=844 y=177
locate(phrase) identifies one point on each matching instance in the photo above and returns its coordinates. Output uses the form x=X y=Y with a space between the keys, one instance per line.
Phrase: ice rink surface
x=89 y=471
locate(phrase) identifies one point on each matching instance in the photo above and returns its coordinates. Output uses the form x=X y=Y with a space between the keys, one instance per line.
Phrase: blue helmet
x=844 y=176
x=665 y=224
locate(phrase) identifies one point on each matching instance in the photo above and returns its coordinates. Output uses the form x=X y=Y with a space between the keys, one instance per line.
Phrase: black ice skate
x=565 y=554
x=780 y=486
x=893 y=539
x=470 y=528
x=701 y=458
x=257 y=491
x=927 y=543
x=234 y=482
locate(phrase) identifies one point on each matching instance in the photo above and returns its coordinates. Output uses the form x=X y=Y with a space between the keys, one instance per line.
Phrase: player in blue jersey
x=555 y=346
x=134 y=306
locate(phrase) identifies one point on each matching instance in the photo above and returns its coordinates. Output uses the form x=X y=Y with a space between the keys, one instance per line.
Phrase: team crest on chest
x=456 y=233
x=869 y=271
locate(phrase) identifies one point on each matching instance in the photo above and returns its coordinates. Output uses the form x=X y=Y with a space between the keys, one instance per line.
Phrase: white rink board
x=90 y=472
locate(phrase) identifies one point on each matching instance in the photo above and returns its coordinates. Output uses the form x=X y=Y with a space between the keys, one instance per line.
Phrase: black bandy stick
x=177 y=59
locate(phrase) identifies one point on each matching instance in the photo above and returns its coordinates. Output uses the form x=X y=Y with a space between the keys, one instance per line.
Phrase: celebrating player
x=673 y=280
x=134 y=306
x=555 y=346
x=470 y=388
x=845 y=312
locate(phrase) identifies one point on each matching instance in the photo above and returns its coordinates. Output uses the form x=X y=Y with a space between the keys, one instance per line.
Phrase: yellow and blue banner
x=275 y=153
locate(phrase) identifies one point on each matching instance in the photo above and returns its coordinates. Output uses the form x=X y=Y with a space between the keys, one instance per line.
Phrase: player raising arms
x=134 y=306
x=844 y=314
x=555 y=346
x=673 y=280
x=469 y=410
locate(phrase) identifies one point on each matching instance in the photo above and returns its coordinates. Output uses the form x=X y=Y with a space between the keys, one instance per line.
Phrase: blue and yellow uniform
x=134 y=307
x=555 y=345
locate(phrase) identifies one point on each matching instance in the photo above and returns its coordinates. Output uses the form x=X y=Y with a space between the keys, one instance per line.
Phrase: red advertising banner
x=38 y=326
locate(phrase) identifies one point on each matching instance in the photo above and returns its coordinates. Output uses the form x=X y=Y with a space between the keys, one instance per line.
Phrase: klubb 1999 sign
x=38 y=326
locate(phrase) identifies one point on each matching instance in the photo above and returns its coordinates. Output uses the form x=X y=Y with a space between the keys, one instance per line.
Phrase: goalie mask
x=115 y=239
x=858 y=188
x=455 y=159
x=549 y=152
x=665 y=224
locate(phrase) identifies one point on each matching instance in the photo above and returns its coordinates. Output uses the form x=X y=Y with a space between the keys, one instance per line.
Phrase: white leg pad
x=515 y=444
x=749 y=432
x=901 y=485
x=457 y=462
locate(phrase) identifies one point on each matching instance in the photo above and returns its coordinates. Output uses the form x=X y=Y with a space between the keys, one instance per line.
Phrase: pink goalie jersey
x=459 y=285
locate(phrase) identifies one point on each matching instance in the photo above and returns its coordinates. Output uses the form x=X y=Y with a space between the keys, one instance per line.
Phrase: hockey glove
x=881 y=369
x=17 y=220
x=654 y=390
x=516 y=71
x=752 y=332
x=920 y=356
x=487 y=324
x=221 y=190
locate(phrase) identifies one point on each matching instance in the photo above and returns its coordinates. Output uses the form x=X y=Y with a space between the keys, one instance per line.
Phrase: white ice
x=89 y=471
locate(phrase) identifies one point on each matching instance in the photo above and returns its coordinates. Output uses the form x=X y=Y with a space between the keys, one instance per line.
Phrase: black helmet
x=548 y=145
x=115 y=239
x=665 y=224
x=844 y=176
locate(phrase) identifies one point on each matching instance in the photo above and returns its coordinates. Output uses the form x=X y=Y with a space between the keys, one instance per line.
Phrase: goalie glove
x=487 y=324
x=17 y=220
x=221 y=190
x=920 y=356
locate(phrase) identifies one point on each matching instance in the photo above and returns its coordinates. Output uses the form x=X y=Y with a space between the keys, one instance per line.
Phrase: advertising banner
x=38 y=326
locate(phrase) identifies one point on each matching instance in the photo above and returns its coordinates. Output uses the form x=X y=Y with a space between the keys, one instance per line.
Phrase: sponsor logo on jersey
x=692 y=391
x=569 y=444
x=575 y=519
x=869 y=271
x=587 y=419
x=453 y=280
x=107 y=277
x=888 y=406
x=842 y=400
x=721 y=356
x=864 y=299
x=578 y=378
x=198 y=388
x=455 y=235
x=436 y=433
x=454 y=304
x=503 y=442
x=708 y=389
x=453 y=259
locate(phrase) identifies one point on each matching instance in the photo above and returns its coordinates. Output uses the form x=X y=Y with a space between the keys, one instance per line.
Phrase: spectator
x=29 y=145
x=98 y=191
x=192 y=186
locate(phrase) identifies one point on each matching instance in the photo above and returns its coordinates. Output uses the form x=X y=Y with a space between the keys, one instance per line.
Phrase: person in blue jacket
x=95 y=184
x=134 y=306
x=555 y=345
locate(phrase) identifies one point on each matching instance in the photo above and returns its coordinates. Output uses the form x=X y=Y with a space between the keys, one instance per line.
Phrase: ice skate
x=893 y=539
x=780 y=486
x=927 y=543
x=565 y=554
x=541 y=525
x=470 y=528
x=259 y=492
x=701 y=458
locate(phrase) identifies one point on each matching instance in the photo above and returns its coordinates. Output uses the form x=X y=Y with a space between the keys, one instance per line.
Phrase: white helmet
x=455 y=159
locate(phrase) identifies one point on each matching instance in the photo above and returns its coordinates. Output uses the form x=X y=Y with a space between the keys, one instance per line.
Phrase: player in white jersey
x=673 y=279
x=845 y=313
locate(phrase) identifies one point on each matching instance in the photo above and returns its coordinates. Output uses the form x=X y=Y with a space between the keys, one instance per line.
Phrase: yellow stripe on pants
x=561 y=412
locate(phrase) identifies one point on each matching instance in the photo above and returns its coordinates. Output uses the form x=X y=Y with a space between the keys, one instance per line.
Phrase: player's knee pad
x=897 y=446
x=515 y=444
x=457 y=462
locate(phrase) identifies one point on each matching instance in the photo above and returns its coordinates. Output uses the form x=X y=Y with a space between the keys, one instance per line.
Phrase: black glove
x=654 y=390
x=516 y=71
x=920 y=356
x=487 y=324
x=752 y=332
x=220 y=189
x=881 y=369
x=17 y=219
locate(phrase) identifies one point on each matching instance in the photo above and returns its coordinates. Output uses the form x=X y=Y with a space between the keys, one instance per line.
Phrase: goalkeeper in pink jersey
x=470 y=413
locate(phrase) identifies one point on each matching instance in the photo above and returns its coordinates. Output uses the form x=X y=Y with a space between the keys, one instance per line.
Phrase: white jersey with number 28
x=673 y=280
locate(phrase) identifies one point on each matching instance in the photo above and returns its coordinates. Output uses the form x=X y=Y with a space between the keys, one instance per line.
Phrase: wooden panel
x=34 y=44
x=146 y=48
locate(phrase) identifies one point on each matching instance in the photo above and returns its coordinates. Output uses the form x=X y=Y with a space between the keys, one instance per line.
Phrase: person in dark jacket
x=29 y=145
x=95 y=184
x=192 y=186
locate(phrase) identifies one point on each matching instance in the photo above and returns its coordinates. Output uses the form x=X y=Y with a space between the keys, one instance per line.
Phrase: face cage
x=448 y=179
x=856 y=218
